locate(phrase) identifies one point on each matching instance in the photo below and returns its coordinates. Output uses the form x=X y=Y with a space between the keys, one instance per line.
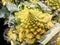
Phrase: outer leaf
x=11 y=7
x=43 y=6
x=11 y=21
x=1 y=14
x=4 y=12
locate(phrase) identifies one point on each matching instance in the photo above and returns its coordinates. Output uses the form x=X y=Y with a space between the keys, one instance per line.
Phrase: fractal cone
x=55 y=4
x=32 y=22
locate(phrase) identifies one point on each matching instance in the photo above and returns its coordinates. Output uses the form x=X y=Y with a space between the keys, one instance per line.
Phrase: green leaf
x=44 y=7
x=1 y=14
x=11 y=7
x=39 y=7
x=4 y=13
x=11 y=20
x=17 y=21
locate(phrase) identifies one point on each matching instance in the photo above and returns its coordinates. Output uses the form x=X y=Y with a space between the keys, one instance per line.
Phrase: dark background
x=2 y=29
